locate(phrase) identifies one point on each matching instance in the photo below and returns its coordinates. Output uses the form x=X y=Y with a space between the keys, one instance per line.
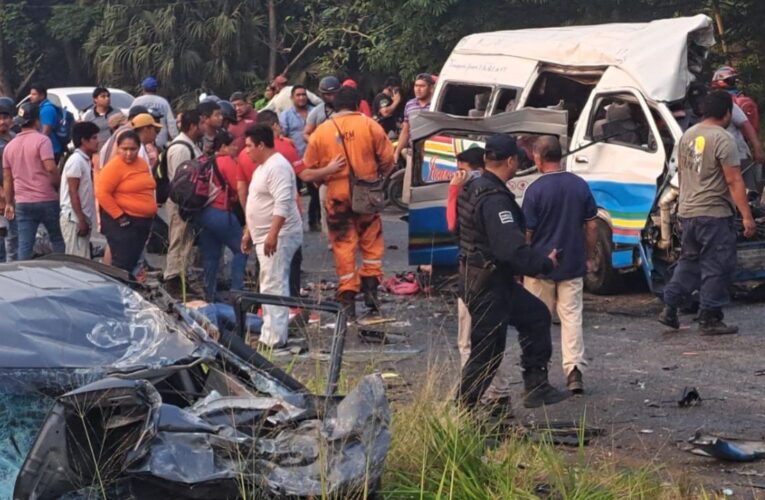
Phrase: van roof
x=655 y=54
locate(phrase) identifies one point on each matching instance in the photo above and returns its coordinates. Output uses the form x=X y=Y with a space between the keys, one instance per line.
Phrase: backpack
x=160 y=172
x=749 y=107
x=64 y=125
x=192 y=188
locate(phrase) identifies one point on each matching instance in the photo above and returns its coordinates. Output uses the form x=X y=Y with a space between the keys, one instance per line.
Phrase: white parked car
x=80 y=99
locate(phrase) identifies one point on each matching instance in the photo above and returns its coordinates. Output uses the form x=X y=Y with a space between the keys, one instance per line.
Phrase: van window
x=465 y=100
x=563 y=91
x=506 y=101
x=620 y=118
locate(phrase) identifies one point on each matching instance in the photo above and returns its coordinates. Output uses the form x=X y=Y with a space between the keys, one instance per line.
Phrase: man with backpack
x=181 y=149
x=55 y=122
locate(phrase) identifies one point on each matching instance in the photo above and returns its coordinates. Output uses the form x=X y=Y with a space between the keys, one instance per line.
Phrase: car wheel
x=605 y=279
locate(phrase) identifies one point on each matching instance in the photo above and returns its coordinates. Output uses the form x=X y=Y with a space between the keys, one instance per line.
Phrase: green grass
x=441 y=453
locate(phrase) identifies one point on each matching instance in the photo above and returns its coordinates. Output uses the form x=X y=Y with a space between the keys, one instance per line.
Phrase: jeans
x=707 y=263
x=566 y=298
x=502 y=303
x=29 y=216
x=9 y=244
x=275 y=280
x=217 y=228
x=126 y=243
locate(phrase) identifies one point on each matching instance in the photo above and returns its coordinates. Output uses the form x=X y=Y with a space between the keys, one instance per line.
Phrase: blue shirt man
x=561 y=214
x=50 y=115
x=293 y=119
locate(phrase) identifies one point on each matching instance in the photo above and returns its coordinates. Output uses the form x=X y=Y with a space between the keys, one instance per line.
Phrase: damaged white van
x=624 y=89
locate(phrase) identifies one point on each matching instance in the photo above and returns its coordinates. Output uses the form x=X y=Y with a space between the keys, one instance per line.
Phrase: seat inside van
x=569 y=92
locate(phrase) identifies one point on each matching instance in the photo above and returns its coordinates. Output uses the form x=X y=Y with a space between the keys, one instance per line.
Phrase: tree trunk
x=72 y=62
x=272 y=40
x=5 y=83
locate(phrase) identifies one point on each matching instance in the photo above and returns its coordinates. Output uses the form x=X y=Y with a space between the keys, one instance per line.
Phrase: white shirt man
x=78 y=203
x=273 y=226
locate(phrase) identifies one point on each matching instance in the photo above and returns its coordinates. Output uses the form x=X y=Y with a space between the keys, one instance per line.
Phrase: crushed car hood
x=61 y=315
x=111 y=391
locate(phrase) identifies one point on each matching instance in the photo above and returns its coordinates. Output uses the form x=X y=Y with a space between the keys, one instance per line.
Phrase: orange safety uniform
x=370 y=153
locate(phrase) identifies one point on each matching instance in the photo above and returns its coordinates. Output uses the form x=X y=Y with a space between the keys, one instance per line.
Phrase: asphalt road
x=637 y=370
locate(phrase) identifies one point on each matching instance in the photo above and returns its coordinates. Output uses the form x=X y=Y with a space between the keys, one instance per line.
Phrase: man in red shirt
x=286 y=148
x=246 y=118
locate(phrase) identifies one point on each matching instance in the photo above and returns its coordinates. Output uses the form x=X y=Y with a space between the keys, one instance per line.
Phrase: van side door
x=622 y=161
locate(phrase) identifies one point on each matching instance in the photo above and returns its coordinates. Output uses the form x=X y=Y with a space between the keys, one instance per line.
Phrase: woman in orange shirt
x=125 y=192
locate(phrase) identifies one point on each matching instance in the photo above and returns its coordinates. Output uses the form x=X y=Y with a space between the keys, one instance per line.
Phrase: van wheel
x=605 y=279
x=395 y=190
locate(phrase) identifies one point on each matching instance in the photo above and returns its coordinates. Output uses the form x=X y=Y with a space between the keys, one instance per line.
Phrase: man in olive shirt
x=711 y=188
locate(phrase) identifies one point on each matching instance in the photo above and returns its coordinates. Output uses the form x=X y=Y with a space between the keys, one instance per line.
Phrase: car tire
x=395 y=190
x=605 y=280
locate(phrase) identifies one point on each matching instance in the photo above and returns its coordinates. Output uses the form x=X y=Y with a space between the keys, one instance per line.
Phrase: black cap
x=501 y=147
x=238 y=96
x=6 y=106
x=329 y=85
x=26 y=114
x=137 y=110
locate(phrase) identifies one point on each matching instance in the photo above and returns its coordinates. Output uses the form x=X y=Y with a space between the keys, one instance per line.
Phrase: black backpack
x=160 y=172
x=192 y=188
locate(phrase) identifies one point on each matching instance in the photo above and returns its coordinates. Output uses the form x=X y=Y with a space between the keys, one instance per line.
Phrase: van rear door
x=438 y=138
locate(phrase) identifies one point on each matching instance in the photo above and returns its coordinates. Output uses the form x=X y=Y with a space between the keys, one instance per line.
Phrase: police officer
x=493 y=251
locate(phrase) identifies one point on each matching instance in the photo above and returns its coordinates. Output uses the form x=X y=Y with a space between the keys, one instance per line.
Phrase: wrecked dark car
x=111 y=389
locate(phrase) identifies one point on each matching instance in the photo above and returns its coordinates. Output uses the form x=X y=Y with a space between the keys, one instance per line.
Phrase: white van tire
x=605 y=280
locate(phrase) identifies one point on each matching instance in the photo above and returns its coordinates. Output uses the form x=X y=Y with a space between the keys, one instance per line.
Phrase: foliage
x=225 y=45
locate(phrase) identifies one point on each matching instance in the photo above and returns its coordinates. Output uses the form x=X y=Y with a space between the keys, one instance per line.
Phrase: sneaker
x=574 y=382
x=499 y=409
x=668 y=317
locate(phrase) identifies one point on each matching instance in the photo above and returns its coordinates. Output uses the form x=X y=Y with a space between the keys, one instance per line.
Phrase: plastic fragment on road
x=690 y=397
x=731 y=450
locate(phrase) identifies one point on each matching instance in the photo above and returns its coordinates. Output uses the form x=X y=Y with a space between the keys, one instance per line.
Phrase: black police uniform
x=493 y=251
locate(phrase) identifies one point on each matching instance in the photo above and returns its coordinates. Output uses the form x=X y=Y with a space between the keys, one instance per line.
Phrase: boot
x=347 y=300
x=369 y=286
x=538 y=391
x=499 y=409
x=574 y=381
x=710 y=323
x=668 y=317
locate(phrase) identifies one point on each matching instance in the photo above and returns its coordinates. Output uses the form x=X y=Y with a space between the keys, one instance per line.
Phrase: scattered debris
x=651 y=404
x=564 y=432
x=379 y=337
x=646 y=431
x=392 y=247
x=374 y=320
x=670 y=368
x=402 y=284
x=726 y=449
x=689 y=398
x=640 y=384
x=759 y=373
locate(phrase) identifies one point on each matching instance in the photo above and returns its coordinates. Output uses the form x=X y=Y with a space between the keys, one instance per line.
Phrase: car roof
x=79 y=90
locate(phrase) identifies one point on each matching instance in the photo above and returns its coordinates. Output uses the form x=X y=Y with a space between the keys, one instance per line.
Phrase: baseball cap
x=26 y=114
x=144 y=120
x=137 y=110
x=501 y=147
x=350 y=83
x=237 y=96
x=329 y=85
x=150 y=83
x=6 y=106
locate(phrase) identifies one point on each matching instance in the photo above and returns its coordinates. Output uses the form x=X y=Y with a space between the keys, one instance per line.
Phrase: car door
x=617 y=150
x=438 y=138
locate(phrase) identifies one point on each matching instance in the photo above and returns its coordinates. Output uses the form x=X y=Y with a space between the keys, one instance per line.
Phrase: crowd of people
x=112 y=173
x=260 y=156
